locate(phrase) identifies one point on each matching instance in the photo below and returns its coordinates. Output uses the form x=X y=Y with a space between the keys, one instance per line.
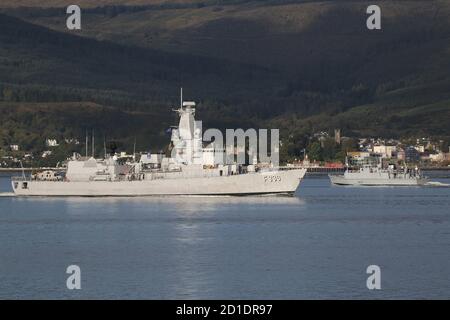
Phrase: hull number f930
x=272 y=178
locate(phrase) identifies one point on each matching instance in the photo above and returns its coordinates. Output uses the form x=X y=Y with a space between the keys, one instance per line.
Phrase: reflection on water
x=314 y=245
x=175 y=200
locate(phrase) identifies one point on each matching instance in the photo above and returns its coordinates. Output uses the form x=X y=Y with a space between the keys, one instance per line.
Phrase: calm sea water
x=315 y=245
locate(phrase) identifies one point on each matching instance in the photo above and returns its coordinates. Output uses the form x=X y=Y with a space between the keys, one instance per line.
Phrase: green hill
x=90 y=3
x=302 y=66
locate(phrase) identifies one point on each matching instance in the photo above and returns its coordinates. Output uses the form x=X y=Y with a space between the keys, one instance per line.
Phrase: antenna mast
x=134 y=149
x=93 y=143
x=23 y=170
x=87 y=143
x=181 y=97
x=104 y=145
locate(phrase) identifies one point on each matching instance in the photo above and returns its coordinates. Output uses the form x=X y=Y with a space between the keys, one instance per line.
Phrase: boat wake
x=7 y=194
x=437 y=184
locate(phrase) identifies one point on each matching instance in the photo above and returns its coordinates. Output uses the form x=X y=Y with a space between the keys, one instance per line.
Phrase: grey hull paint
x=397 y=182
x=244 y=184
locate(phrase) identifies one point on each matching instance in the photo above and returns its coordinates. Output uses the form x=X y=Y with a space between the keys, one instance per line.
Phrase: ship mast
x=87 y=143
x=181 y=97
x=93 y=143
x=104 y=145
x=134 y=149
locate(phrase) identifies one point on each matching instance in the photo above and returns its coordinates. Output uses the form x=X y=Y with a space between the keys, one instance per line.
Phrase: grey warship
x=156 y=174
x=368 y=175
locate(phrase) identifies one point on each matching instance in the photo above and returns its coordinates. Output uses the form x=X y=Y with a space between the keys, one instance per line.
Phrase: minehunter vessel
x=377 y=176
x=156 y=174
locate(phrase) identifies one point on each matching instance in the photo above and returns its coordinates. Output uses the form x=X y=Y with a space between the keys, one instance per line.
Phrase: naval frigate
x=156 y=174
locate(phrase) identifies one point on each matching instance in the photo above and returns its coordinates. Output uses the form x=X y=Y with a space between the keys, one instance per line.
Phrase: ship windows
x=25 y=185
x=16 y=185
x=221 y=172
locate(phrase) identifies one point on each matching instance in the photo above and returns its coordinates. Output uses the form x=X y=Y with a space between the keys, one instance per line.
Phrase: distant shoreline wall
x=27 y=169
x=310 y=170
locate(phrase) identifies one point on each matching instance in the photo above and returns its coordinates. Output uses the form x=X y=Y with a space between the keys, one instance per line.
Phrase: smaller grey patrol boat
x=368 y=175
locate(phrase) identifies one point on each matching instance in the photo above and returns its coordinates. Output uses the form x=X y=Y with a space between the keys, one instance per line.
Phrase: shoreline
x=27 y=169
x=310 y=170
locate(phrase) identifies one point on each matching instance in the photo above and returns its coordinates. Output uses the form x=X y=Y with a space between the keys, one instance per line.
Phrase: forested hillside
x=301 y=66
x=43 y=66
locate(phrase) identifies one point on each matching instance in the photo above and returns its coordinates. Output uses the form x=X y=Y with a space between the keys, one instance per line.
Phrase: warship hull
x=273 y=182
x=345 y=181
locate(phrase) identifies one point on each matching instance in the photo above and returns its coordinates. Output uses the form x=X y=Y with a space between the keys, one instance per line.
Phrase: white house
x=439 y=157
x=384 y=151
x=72 y=141
x=45 y=154
x=51 y=143
x=420 y=148
x=358 y=155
